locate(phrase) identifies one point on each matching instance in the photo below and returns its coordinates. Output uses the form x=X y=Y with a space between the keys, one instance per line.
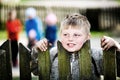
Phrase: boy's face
x=72 y=39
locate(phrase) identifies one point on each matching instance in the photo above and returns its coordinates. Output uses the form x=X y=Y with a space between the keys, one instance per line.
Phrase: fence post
x=44 y=65
x=7 y=47
x=63 y=63
x=25 y=57
x=109 y=62
x=85 y=62
x=3 y=70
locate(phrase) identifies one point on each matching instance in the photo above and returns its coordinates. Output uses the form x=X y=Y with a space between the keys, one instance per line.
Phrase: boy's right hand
x=42 y=45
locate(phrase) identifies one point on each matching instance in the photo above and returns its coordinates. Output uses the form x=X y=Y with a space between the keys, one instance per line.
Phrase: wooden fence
x=100 y=18
x=44 y=63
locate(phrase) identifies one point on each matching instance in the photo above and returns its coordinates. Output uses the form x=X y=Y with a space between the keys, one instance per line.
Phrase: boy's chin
x=71 y=51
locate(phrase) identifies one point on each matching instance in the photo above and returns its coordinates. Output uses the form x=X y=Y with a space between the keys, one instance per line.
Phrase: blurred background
x=104 y=15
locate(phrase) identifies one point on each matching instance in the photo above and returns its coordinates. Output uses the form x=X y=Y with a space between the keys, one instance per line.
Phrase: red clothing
x=13 y=29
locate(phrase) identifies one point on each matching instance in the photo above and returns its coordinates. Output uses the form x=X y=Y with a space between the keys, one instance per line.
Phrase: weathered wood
x=7 y=47
x=109 y=59
x=85 y=62
x=44 y=65
x=63 y=63
x=25 y=57
x=3 y=69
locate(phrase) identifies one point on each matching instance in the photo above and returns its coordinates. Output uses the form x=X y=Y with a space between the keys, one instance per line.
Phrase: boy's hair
x=75 y=20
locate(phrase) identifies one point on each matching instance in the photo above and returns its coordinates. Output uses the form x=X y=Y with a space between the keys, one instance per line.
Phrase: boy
x=13 y=27
x=74 y=32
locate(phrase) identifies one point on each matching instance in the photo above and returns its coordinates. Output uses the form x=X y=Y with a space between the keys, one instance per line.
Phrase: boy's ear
x=89 y=36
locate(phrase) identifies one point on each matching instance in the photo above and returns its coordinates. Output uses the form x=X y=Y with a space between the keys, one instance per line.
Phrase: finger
x=109 y=45
x=108 y=48
x=102 y=39
x=39 y=47
x=103 y=44
x=106 y=41
x=45 y=41
x=105 y=47
x=44 y=46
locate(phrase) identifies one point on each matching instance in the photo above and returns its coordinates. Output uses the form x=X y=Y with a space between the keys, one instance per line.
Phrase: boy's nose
x=70 y=38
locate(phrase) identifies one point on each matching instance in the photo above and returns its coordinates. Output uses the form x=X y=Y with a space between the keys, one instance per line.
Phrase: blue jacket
x=51 y=33
x=35 y=24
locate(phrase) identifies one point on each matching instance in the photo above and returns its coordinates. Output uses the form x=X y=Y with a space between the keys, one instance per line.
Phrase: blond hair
x=75 y=20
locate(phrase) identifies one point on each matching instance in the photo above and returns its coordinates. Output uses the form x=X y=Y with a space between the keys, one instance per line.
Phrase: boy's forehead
x=70 y=29
x=74 y=28
x=71 y=26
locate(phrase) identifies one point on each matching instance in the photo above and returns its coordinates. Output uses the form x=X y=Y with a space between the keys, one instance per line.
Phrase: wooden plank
x=109 y=59
x=85 y=62
x=3 y=69
x=44 y=65
x=25 y=57
x=7 y=47
x=63 y=63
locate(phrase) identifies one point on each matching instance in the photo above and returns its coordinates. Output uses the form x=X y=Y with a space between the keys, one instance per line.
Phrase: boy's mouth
x=70 y=44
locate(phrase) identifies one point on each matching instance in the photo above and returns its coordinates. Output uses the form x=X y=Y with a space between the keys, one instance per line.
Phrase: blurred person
x=13 y=26
x=51 y=28
x=33 y=26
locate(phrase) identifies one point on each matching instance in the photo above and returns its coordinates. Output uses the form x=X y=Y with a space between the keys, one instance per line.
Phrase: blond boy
x=74 y=32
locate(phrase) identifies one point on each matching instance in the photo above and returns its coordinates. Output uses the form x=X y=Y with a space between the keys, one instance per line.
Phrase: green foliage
x=98 y=33
x=3 y=35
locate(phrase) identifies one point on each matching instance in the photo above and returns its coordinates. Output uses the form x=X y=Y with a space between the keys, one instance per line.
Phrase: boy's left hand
x=107 y=42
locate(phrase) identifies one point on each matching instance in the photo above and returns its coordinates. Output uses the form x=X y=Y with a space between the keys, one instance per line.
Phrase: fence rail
x=44 y=64
x=6 y=53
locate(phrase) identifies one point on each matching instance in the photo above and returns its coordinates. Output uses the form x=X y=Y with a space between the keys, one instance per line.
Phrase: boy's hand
x=107 y=42
x=42 y=44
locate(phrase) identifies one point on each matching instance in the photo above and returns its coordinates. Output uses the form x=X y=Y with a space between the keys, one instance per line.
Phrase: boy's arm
x=106 y=43
x=34 y=56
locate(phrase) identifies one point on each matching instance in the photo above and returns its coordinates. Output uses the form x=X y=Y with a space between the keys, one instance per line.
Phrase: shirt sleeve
x=34 y=61
x=97 y=55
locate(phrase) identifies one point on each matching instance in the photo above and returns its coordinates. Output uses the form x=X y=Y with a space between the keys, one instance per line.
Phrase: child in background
x=33 y=26
x=13 y=26
x=74 y=32
x=51 y=28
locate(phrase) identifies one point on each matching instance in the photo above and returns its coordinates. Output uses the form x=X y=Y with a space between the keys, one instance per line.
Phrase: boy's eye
x=76 y=35
x=65 y=34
